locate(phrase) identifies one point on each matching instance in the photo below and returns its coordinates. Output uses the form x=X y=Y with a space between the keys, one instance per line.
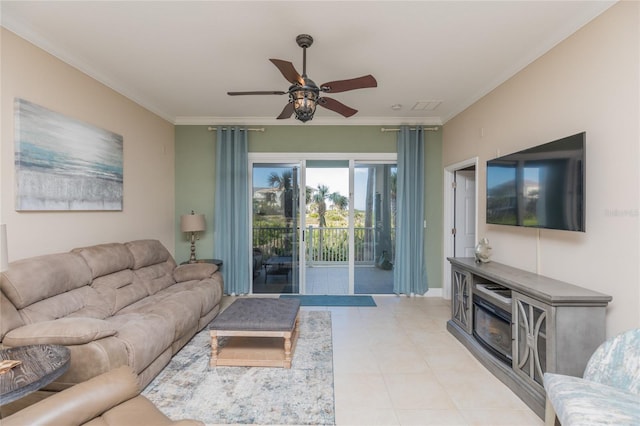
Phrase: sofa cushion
x=62 y=305
x=182 y=309
x=105 y=259
x=153 y=264
x=209 y=291
x=194 y=271
x=149 y=252
x=10 y=317
x=64 y=331
x=155 y=277
x=119 y=290
x=145 y=336
x=22 y=283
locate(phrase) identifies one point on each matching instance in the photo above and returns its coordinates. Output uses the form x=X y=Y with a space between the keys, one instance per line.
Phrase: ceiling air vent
x=426 y=105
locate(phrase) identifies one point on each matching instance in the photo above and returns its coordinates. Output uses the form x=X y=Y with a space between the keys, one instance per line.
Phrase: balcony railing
x=324 y=245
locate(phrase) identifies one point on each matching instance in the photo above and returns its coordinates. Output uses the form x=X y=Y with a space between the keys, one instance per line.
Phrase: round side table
x=41 y=365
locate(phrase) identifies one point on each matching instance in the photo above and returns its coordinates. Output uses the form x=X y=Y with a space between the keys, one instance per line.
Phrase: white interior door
x=465 y=212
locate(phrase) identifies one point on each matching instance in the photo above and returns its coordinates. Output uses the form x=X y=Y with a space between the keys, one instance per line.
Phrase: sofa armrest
x=583 y=402
x=80 y=403
x=63 y=331
x=194 y=271
x=138 y=411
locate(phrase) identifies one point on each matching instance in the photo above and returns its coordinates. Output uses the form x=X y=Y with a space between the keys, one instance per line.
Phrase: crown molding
x=317 y=121
x=33 y=37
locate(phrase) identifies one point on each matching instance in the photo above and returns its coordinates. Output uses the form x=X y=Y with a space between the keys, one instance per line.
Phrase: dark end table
x=41 y=365
x=213 y=261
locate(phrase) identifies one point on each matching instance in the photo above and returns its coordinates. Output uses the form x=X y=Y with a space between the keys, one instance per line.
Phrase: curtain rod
x=385 y=129
x=259 y=129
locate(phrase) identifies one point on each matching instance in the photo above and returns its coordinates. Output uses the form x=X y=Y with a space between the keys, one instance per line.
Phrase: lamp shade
x=192 y=223
x=4 y=256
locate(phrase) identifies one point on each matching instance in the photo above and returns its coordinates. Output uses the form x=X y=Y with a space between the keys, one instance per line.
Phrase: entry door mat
x=303 y=395
x=333 y=300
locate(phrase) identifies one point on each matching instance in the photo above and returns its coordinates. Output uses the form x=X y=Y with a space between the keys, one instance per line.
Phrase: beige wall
x=590 y=82
x=148 y=211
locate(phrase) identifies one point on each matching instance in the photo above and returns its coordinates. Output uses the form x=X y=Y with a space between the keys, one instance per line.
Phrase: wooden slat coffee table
x=262 y=333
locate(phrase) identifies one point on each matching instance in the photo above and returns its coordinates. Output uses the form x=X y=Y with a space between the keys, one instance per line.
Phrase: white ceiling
x=179 y=58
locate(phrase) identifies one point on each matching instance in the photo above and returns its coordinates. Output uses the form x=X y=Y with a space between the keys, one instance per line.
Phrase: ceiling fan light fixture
x=304 y=104
x=304 y=94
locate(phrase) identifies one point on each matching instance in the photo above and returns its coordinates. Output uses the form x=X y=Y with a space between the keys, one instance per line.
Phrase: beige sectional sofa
x=110 y=304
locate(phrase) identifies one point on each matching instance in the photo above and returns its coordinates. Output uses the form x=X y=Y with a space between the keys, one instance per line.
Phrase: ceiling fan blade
x=288 y=71
x=336 y=106
x=286 y=112
x=351 y=84
x=261 y=92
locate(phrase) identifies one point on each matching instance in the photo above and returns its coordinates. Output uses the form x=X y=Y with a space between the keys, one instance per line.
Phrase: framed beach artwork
x=63 y=163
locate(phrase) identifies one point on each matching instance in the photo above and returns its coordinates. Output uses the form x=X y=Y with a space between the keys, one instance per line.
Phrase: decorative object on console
x=483 y=251
x=192 y=223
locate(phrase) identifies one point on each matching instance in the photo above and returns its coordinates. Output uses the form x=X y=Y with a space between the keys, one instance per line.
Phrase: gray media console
x=532 y=325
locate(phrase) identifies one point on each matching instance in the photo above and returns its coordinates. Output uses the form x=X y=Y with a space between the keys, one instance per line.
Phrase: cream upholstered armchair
x=608 y=393
x=110 y=399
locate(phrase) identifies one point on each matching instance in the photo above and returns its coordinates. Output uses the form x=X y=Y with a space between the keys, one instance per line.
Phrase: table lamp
x=192 y=223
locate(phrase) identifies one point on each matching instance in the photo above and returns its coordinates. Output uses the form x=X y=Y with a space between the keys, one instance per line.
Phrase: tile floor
x=396 y=364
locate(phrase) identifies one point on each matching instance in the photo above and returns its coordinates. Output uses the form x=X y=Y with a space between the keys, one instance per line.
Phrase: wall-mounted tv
x=540 y=187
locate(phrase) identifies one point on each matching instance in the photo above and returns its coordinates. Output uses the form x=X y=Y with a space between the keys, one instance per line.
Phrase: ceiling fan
x=304 y=94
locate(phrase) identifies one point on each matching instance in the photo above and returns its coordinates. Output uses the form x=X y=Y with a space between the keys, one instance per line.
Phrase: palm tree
x=339 y=201
x=284 y=183
x=319 y=198
x=368 y=218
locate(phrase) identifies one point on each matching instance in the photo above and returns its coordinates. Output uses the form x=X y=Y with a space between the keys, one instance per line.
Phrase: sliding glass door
x=375 y=224
x=275 y=227
x=327 y=227
x=322 y=224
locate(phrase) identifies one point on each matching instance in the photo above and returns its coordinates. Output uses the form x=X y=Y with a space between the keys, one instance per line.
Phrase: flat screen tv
x=540 y=187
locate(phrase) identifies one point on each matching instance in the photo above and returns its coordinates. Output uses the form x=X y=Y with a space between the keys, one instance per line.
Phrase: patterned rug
x=303 y=394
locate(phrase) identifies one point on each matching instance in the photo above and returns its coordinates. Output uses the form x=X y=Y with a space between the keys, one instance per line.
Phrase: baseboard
x=433 y=292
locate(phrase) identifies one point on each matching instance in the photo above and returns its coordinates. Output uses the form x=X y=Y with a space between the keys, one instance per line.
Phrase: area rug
x=335 y=300
x=302 y=395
